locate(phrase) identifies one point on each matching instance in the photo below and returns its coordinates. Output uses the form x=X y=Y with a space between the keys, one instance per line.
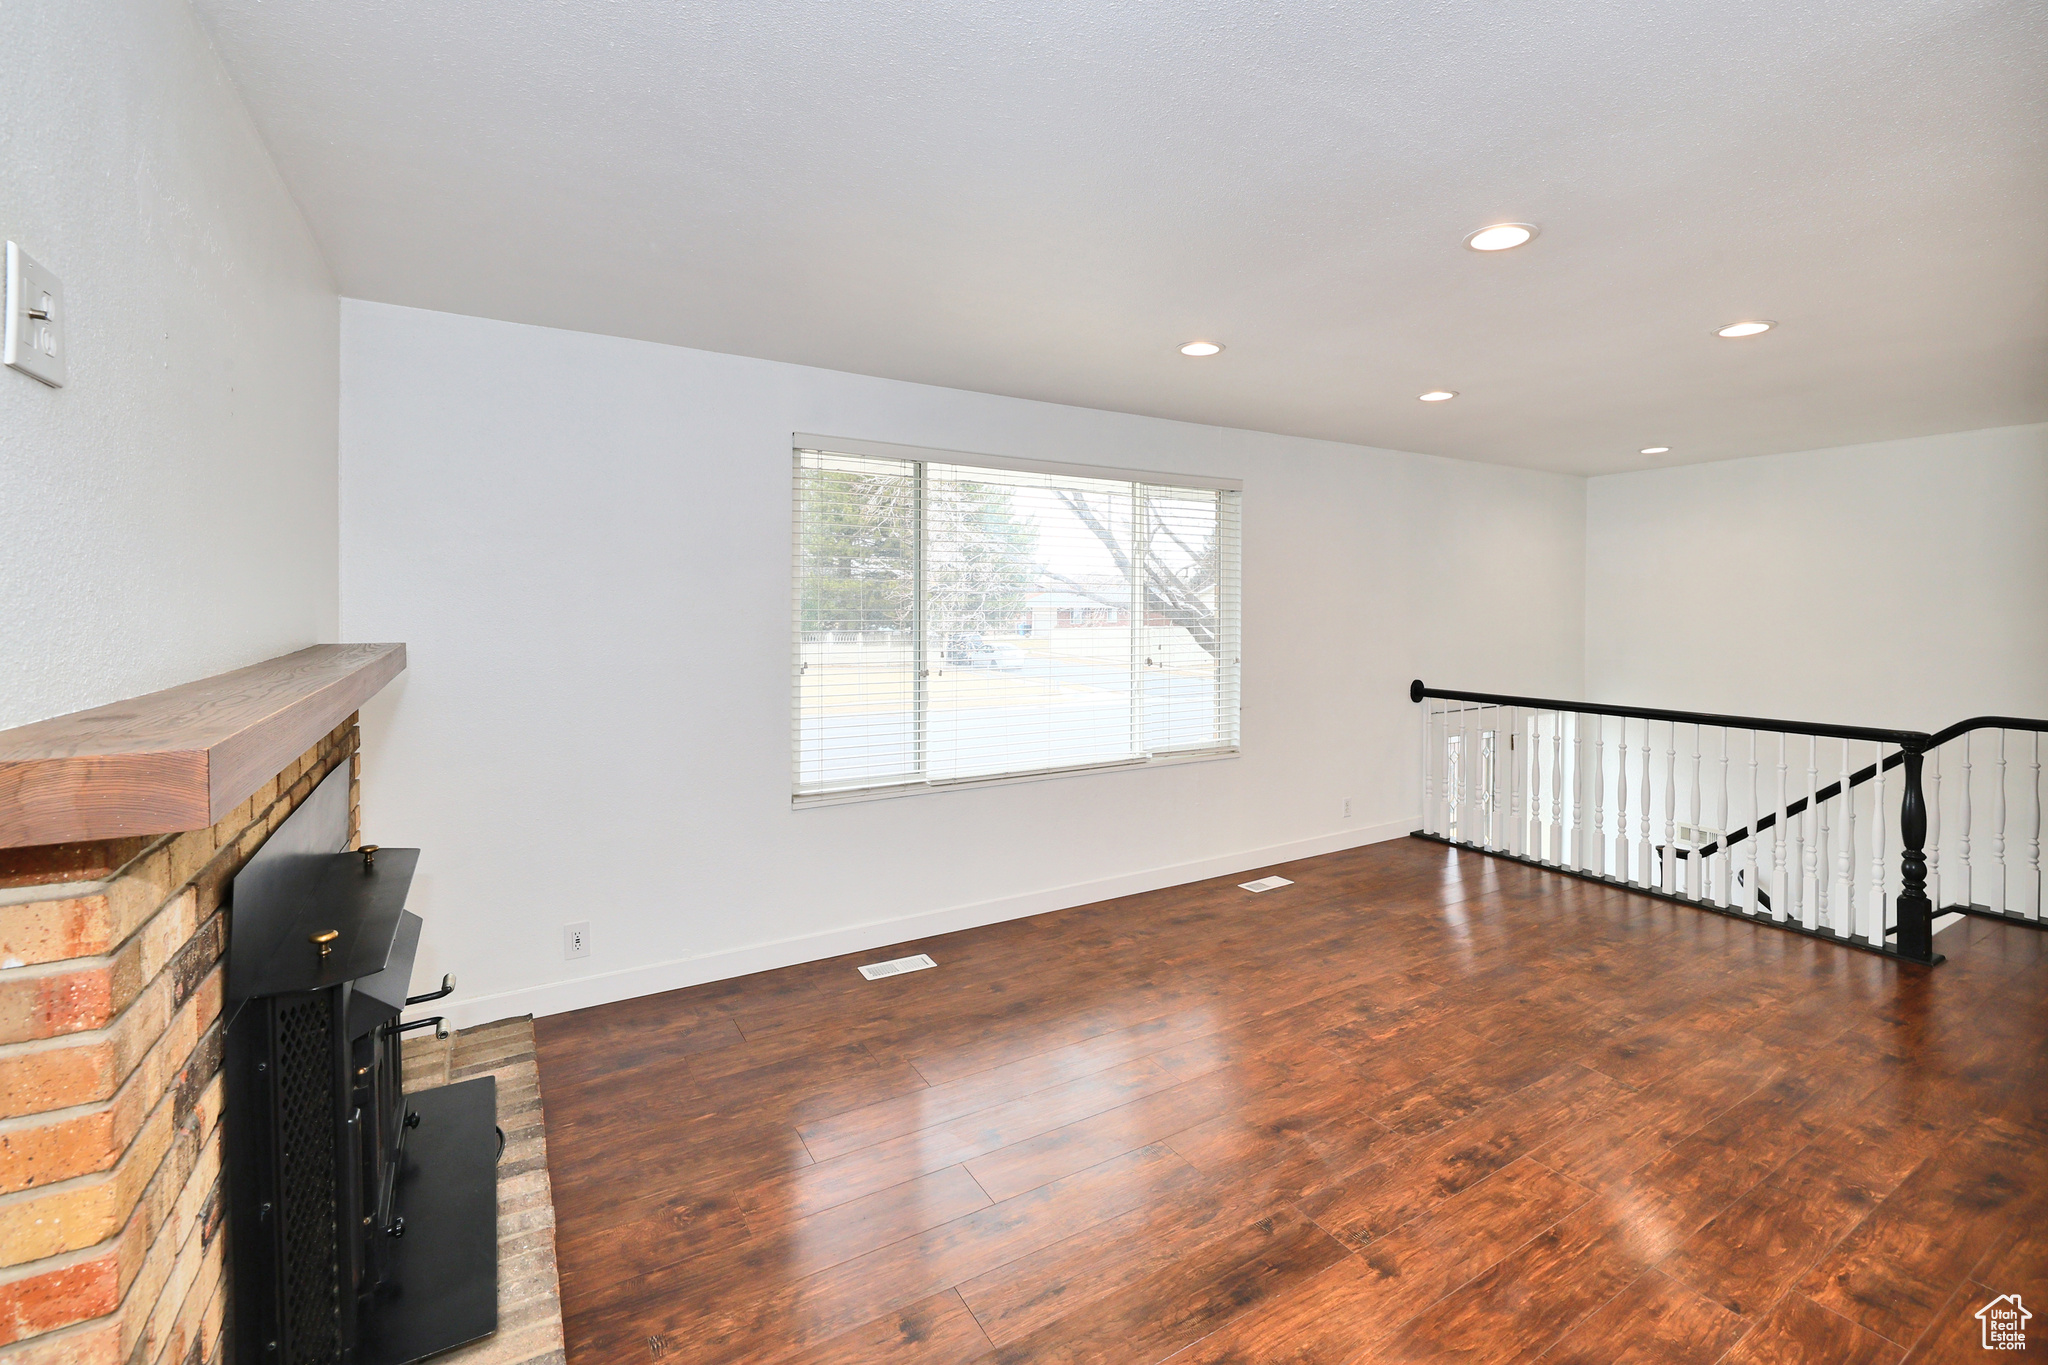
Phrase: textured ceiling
x=1045 y=199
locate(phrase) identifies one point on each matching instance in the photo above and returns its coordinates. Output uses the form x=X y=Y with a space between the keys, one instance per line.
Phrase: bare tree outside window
x=1180 y=579
x=956 y=621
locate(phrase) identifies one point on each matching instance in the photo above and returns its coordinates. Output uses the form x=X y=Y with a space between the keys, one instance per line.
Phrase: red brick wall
x=111 y=1211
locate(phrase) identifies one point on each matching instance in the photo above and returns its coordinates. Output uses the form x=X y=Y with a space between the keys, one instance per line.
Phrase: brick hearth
x=529 y=1296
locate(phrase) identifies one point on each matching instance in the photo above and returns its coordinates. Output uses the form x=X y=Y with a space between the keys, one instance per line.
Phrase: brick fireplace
x=111 y=1206
x=121 y=829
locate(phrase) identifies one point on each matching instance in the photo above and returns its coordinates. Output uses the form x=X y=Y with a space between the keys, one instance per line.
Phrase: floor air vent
x=875 y=971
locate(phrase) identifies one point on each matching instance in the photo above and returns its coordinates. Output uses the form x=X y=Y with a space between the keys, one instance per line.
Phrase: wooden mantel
x=181 y=758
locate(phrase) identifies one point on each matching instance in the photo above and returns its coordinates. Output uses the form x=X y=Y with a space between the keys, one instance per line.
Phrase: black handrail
x=1941 y=737
x=1416 y=692
x=1920 y=739
x=1792 y=808
x=1858 y=778
x=1906 y=739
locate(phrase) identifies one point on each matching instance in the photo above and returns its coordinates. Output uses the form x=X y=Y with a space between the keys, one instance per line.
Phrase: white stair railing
x=1582 y=789
x=1971 y=878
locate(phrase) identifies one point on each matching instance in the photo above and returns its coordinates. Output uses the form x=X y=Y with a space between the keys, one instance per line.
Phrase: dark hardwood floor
x=1421 y=1105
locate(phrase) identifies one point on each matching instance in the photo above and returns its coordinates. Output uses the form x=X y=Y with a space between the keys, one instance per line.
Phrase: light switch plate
x=34 y=342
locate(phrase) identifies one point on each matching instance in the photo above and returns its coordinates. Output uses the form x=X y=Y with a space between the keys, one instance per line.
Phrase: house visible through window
x=958 y=621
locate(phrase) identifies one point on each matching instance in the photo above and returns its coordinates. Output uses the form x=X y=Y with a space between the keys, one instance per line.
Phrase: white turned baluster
x=1823 y=867
x=1646 y=859
x=1440 y=771
x=1493 y=828
x=1475 y=776
x=1428 y=781
x=1809 y=895
x=1532 y=805
x=1998 y=829
x=1532 y=774
x=1455 y=772
x=1845 y=860
x=1781 y=836
x=1503 y=778
x=1933 y=833
x=1435 y=771
x=1514 y=761
x=1467 y=789
x=1795 y=856
x=1621 y=799
x=1600 y=794
x=1795 y=859
x=1477 y=795
x=1879 y=910
x=1479 y=792
x=1454 y=757
x=1556 y=845
x=1969 y=896
x=1693 y=870
x=1667 y=869
x=1631 y=796
x=1446 y=757
x=1750 y=861
x=1726 y=881
x=1579 y=790
x=2034 y=840
x=1446 y=787
x=1482 y=816
x=1498 y=825
x=1449 y=786
x=1507 y=758
x=1621 y=858
x=1453 y=762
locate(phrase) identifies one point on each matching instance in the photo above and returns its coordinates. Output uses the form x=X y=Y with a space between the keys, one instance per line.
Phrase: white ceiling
x=1046 y=197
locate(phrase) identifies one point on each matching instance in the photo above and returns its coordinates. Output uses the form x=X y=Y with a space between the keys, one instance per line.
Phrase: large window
x=960 y=621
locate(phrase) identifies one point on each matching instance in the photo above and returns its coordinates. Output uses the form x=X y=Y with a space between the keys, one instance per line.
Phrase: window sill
x=812 y=800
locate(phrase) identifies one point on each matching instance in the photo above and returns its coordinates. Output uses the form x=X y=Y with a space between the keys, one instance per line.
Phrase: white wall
x=1902 y=584
x=171 y=512
x=585 y=543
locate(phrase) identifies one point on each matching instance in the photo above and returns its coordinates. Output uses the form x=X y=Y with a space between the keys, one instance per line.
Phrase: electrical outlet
x=1347 y=808
x=576 y=939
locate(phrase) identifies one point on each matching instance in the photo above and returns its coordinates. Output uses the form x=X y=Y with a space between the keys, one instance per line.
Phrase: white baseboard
x=557 y=997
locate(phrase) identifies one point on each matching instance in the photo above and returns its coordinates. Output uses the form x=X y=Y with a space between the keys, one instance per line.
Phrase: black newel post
x=1916 y=912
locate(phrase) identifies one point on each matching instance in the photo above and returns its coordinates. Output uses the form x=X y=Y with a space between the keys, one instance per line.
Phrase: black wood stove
x=364 y=1219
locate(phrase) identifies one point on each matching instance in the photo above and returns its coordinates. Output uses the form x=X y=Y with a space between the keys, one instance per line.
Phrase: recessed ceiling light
x=1745 y=329
x=1656 y=450
x=1200 y=348
x=1438 y=395
x=1501 y=236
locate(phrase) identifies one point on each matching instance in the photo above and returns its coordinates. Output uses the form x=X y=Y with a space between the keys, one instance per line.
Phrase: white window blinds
x=957 y=623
